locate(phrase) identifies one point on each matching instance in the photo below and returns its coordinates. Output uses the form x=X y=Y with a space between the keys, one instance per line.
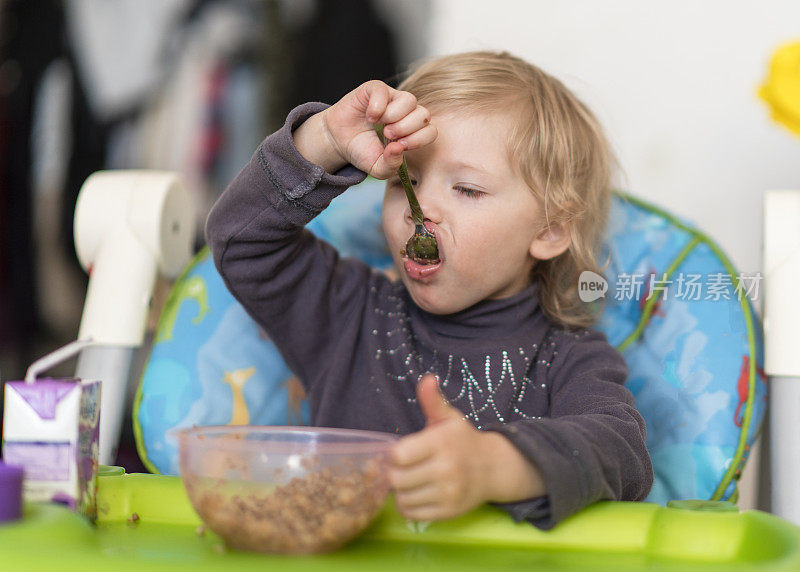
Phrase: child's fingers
x=426 y=512
x=394 y=151
x=410 y=477
x=392 y=156
x=378 y=95
x=418 y=497
x=420 y=138
x=412 y=449
x=389 y=161
x=418 y=118
x=401 y=103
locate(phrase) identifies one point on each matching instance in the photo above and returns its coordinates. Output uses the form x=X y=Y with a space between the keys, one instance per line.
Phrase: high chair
x=674 y=306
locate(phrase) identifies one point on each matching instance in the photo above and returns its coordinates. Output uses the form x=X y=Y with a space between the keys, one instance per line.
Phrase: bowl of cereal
x=289 y=490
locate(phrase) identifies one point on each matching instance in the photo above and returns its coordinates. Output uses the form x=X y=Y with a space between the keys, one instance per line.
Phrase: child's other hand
x=344 y=133
x=450 y=467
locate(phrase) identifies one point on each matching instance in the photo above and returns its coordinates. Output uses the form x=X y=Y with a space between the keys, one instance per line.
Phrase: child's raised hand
x=450 y=467
x=344 y=133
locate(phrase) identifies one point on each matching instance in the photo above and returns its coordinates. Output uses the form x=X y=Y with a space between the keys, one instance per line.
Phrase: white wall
x=675 y=85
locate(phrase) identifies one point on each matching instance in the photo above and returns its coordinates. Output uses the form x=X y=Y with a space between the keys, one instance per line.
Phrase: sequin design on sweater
x=501 y=388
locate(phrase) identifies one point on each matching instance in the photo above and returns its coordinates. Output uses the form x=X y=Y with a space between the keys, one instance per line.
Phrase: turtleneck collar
x=488 y=319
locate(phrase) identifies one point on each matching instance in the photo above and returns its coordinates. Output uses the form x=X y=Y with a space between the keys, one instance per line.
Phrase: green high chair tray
x=145 y=523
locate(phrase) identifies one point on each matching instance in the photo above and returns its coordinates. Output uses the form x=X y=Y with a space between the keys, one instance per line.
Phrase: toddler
x=481 y=361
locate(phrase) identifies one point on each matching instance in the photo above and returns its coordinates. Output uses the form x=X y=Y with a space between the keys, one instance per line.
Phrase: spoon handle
x=402 y=172
x=416 y=211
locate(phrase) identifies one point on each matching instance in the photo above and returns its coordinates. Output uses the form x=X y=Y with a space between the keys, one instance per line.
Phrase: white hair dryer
x=129 y=225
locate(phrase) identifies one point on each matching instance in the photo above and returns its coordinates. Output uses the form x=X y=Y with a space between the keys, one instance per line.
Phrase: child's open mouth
x=420 y=271
x=420 y=268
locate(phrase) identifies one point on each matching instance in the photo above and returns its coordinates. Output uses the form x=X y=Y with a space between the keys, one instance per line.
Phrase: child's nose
x=430 y=203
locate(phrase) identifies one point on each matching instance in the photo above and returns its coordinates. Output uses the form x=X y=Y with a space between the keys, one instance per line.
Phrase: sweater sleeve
x=592 y=446
x=284 y=277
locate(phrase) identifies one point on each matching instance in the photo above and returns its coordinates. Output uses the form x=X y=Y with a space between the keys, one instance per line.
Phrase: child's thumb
x=392 y=158
x=434 y=405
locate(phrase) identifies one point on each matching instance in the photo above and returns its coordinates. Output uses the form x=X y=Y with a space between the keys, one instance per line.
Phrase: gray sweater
x=359 y=344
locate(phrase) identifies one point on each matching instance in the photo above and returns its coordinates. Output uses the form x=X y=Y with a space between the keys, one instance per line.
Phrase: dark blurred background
x=184 y=85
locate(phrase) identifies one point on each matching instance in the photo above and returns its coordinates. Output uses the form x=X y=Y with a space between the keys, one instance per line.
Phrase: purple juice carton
x=51 y=428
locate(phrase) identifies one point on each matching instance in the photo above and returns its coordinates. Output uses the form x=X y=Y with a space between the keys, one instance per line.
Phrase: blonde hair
x=557 y=146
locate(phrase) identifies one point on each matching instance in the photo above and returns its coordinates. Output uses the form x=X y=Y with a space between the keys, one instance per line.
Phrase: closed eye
x=395 y=182
x=469 y=192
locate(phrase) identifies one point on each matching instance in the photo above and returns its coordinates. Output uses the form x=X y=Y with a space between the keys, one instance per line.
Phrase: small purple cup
x=10 y=492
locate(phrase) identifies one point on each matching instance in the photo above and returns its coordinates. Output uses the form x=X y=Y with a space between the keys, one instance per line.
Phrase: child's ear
x=550 y=242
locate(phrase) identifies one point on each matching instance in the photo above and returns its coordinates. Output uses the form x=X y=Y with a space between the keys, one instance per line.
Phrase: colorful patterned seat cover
x=673 y=306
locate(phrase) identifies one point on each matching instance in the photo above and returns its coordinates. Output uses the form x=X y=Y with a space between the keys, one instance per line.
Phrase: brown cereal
x=318 y=512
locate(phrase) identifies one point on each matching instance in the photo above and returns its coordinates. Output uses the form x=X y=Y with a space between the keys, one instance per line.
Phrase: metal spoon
x=421 y=247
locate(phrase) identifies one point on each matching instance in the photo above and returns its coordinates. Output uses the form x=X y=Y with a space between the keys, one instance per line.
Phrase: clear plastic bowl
x=291 y=490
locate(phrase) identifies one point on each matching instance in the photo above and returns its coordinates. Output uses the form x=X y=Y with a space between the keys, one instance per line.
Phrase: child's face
x=484 y=216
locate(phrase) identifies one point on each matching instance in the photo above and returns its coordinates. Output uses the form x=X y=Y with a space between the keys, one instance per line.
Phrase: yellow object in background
x=782 y=87
x=236 y=379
